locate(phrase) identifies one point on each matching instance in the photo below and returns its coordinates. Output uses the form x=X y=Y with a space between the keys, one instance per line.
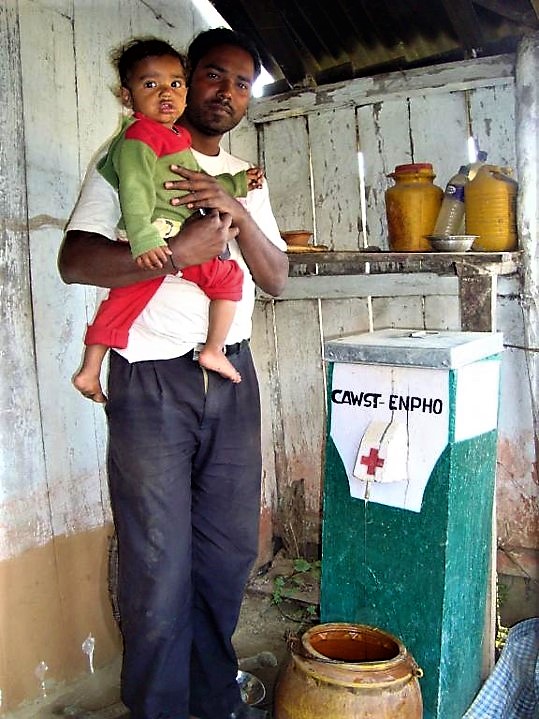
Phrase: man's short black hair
x=126 y=57
x=208 y=39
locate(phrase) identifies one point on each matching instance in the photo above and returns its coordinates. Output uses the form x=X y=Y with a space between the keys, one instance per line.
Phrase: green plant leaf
x=301 y=565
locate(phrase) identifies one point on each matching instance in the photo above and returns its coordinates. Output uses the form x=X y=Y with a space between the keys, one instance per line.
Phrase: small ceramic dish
x=297 y=238
x=451 y=243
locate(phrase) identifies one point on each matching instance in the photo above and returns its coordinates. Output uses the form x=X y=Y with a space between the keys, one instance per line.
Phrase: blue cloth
x=512 y=690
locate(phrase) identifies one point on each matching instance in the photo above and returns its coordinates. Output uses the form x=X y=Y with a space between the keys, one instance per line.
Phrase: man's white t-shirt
x=176 y=318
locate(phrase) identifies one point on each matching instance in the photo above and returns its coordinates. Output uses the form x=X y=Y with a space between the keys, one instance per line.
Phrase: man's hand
x=202 y=238
x=203 y=191
x=89 y=259
x=267 y=263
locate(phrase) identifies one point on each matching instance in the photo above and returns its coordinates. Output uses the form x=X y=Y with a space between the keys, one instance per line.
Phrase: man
x=184 y=443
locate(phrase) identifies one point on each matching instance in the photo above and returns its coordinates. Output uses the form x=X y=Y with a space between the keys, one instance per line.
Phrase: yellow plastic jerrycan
x=490 y=207
x=412 y=207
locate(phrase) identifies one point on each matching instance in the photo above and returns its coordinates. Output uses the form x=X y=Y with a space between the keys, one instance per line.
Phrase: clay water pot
x=348 y=671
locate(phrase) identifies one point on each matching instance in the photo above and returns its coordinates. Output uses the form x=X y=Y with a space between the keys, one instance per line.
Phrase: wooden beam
x=477 y=295
x=449 y=77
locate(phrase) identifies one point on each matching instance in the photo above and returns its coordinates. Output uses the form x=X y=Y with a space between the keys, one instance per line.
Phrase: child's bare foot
x=89 y=386
x=217 y=361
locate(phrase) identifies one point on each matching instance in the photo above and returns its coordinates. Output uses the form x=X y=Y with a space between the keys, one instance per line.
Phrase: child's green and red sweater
x=137 y=164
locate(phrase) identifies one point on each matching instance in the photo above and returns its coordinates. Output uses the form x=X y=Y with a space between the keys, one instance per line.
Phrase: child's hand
x=154 y=259
x=255 y=175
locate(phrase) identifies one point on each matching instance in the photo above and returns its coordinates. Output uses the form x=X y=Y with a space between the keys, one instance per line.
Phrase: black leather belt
x=229 y=349
x=235 y=348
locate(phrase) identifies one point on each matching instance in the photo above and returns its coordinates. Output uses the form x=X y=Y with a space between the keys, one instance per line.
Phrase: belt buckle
x=197 y=350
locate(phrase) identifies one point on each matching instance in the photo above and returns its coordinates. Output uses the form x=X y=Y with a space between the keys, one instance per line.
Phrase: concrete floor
x=263 y=628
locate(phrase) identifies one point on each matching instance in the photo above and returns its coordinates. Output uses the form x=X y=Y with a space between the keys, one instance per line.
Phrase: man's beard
x=206 y=122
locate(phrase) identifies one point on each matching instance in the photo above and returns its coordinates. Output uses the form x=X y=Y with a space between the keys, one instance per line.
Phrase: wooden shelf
x=477 y=274
x=352 y=262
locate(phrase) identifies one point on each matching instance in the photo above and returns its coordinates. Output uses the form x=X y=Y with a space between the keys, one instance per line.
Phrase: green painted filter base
x=420 y=576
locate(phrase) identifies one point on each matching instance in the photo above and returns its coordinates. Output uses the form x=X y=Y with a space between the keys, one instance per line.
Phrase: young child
x=153 y=85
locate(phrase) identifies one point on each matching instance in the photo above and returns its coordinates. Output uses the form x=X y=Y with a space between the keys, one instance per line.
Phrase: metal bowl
x=451 y=243
x=251 y=688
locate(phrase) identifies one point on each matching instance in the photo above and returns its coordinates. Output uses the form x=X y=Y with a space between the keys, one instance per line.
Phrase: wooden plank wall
x=52 y=128
x=309 y=145
x=22 y=459
x=57 y=108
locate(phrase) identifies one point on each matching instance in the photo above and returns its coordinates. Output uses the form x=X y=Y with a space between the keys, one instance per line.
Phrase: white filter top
x=414 y=348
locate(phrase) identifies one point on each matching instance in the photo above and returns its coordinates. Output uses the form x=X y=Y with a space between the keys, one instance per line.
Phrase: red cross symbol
x=372 y=461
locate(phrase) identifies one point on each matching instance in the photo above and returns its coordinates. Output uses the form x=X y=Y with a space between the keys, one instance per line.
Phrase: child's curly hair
x=125 y=57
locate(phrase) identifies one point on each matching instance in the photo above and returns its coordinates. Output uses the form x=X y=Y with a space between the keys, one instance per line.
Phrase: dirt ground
x=281 y=603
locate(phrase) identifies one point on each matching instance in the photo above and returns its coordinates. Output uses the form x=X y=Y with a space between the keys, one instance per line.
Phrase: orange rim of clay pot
x=398 y=665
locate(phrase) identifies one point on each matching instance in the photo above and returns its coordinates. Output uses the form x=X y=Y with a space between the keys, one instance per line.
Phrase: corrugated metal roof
x=306 y=43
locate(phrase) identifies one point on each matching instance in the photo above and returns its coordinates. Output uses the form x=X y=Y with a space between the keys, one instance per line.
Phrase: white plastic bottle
x=450 y=219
